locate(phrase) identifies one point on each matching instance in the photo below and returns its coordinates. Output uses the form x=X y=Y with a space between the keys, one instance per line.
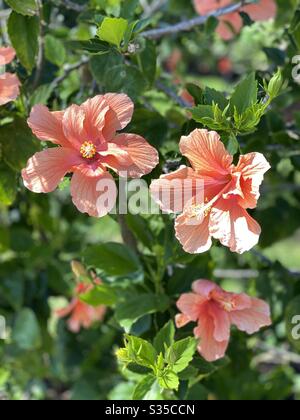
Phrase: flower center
x=88 y=150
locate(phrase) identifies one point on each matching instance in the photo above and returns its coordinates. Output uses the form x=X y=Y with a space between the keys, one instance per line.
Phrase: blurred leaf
x=8 y=185
x=126 y=79
x=148 y=61
x=23 y=32
x=54 y=50
x=100 y=295
x=112 y=258
x=24 y=7
x=26 y=332
x=128 y=312
x=18 y=143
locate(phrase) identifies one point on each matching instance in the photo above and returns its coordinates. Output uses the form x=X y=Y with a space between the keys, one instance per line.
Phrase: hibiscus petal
x=9 y=88
x=119 y=115
x=204 y=7
x=47 y=126
x=74 y=126
x=7 y=54
x=173 y=191
x=263 y=10
x=253 y=319
x=209 y=348
x=204 y=287
x=190 y=305
x=221 y=322
x=230 y=25
x=252 y=167
x=207 y=153
x=233 y=226
x=132 y=154
x=87 y=193
x=95 y=112
x=195 y=238
x=46 y=169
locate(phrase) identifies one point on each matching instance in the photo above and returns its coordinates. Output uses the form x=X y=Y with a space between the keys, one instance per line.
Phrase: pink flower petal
x=252 y=168
x=207 y=153
x=7 y=54
x=253 y=319
x=132 y=154
x=46 y=169
x=204 y=287
x=95 y=117
x=204 y=7
x=190 y=305
x=233 y=226
x=221 y=322
x=263 y=10
x=119 y=114
x=229 y=26
x=195 y=238
x=47 y=126
x=172 y=191
x=87 y=193
x=74 y=126
x=209 y=348
x=9 y=88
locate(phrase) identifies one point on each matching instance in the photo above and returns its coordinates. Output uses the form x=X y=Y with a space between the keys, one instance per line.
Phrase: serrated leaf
x=181 y=353
x=244 y=95
x=165 y=337
x=143 y=387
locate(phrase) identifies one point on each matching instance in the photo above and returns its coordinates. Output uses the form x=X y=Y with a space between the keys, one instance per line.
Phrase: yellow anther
x=88 y=150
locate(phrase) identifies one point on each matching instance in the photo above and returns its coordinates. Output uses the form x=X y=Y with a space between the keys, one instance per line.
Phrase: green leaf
x=126 y=79
x=168 y=379
x=165 y=337
x=137 y=351
x=102 y=64
x=18 y=143
x=181 y=353
x=26 y=332
x=196 y=92
x=54 y=50
x=113 y=259
x=128 y=8
x=100 y=295
x=8 y=185
x=232 y=144
x=24 y=7
x=112 y=30
x=213 y=96
x=205 y=368
x=93 y=46
x=203 y=112
x=148 y=61
x=23 y=32
x=128 y=312
x=244 y=95
x=143 y=387
x=41 y=95
x=138 y=225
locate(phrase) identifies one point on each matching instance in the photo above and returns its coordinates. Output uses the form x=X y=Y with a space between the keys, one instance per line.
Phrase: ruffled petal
x=263 y=10
x=95 y=120
x=74 y=126
x=131 y=154
x=95 y=196
x=119 y=115
x=173 y=191
x=233 y=226
x=253 y=319
x=190 y=305
x=252 y=168
x=46 y=169
x=193 y=233
x=9 y=88
x=47 y=126
x=205 y=287
x=209 y=348
x=221 y=322
x=7 y=54
x=207 y=154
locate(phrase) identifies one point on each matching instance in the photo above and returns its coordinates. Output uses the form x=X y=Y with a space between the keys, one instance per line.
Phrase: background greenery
x=60 y=62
